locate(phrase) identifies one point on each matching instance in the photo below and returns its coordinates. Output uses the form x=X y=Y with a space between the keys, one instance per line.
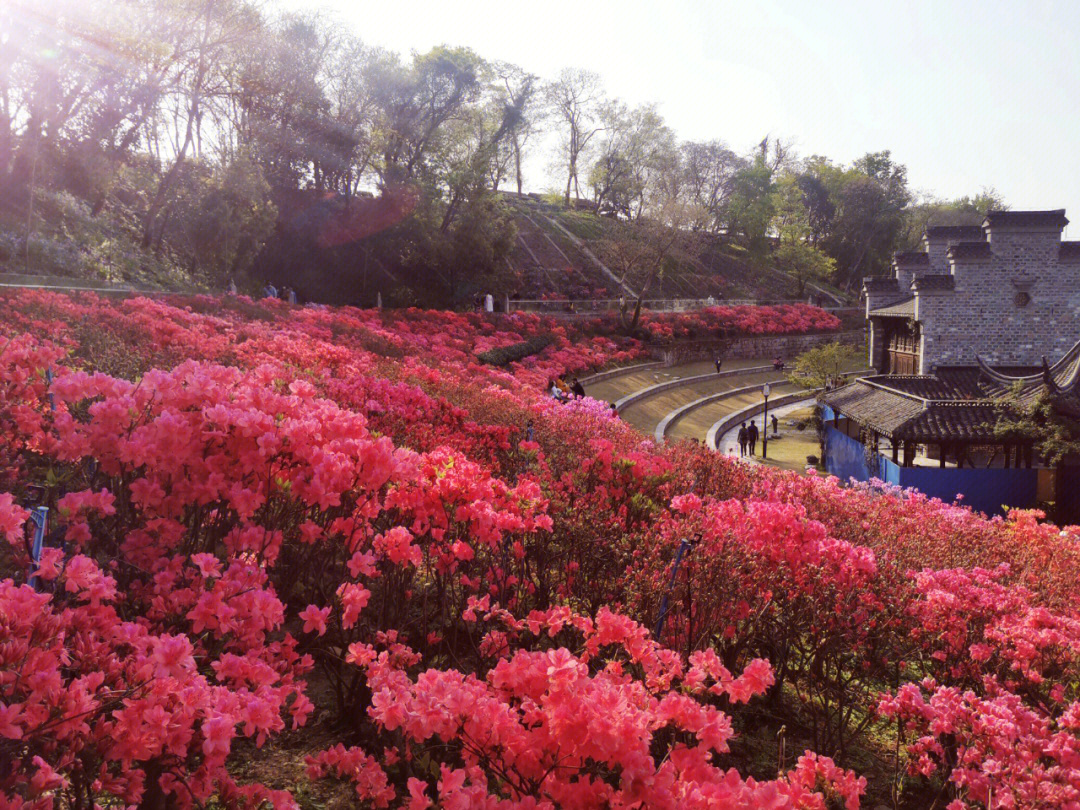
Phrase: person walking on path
x=719 y=363
x=742 y=440
x=752 y=436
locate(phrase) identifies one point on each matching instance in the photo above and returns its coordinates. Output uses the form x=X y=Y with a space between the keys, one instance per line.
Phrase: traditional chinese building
x=982 y=314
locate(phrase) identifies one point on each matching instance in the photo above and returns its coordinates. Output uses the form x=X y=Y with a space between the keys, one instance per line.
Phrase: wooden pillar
x=943 y=448
x=895 y=451
x=1029 y=453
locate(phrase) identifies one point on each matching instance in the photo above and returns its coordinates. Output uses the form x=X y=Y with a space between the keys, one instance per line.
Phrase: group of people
x=748 y=436
x=285 y=293
x=832 y=382
x=560 y=391
x=484 y=303
x=778 y=363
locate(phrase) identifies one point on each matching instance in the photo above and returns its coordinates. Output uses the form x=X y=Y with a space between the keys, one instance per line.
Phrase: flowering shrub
x=726 y=321
x=266 y=518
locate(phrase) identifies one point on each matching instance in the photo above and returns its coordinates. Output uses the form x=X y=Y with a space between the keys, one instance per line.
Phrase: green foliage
x=198 y=141
x=505 y=355
x=1054 y=435
x=966 y=210
x=228 y=218
x=67 y=240
x=814 y=367
x=805 y=263
x=751 y=207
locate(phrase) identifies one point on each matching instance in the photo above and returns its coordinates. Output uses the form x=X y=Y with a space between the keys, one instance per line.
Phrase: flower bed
x=270 y=517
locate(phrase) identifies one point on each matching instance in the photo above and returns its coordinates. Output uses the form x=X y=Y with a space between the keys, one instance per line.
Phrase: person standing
x=489 y=303
x=719 y=363
x=614 y=411
x=742 y=440
x=775 y=426
x=232 y=286
x=578 y=388
x=752 y=436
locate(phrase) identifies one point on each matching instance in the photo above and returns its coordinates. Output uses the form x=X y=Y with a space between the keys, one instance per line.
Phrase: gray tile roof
x=964 y=233
x=970 y=250
x=1026 y=219
x=934 y=281
x=901 y=309
x=878 y=283
x=958 y=403
x=912 y=257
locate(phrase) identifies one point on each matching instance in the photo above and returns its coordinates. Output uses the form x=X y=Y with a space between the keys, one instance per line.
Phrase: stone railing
x=612 y=373
x=69 y=284
x=594 y=306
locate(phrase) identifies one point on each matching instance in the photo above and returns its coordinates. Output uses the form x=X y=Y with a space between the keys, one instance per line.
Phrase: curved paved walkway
x=728 y=444
x=646 y=413
x=696 y=423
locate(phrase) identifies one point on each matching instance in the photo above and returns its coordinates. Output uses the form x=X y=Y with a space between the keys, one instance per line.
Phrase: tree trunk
x=517 y=164
x=166 y=184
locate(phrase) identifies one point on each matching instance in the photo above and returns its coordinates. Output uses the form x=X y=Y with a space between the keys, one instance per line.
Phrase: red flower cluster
x=727 y=321
x=247 y=498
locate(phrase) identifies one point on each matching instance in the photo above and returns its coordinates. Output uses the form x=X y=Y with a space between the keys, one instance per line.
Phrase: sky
x=967 y=95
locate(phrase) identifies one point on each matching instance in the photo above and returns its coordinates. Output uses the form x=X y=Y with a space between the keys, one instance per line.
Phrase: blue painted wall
x=845 y=457
x=984 y=490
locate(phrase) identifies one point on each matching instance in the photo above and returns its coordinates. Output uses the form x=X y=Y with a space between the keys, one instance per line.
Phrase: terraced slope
x=545 y=260
x=645 y=414
x=697 y=423
x=618 y=387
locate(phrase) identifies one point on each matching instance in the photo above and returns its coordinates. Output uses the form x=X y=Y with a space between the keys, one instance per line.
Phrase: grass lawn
x=789 y=452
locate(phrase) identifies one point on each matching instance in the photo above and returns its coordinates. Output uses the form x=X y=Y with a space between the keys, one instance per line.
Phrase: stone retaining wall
x=678 y=382
x=611 y=374
x=786 y=346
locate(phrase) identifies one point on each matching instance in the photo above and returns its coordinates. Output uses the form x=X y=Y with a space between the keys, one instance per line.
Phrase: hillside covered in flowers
x=321 y=557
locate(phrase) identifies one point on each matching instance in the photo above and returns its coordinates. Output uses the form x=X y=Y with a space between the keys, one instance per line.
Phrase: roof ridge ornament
x=1069 y=365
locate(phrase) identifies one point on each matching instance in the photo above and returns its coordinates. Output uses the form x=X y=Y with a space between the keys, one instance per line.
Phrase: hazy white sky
x=966 y=94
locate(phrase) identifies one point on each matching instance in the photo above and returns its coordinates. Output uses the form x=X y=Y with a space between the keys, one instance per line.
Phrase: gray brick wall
x=982 y=315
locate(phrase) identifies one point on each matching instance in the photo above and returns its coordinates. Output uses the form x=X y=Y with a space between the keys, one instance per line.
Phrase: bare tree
x=213 y=29
x=637 y=158
x=643 y=250
x=575 y=98
x=521 y=97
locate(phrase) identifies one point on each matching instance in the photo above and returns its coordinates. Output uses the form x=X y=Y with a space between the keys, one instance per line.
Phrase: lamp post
x=765 y=389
